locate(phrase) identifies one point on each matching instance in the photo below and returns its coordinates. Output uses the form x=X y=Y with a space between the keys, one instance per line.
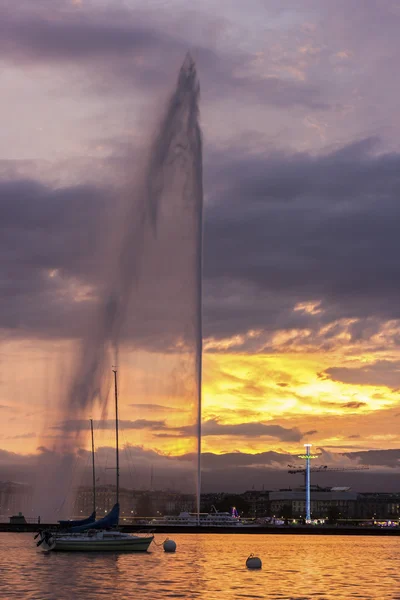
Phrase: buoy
x=169 y=546
x=253 y=562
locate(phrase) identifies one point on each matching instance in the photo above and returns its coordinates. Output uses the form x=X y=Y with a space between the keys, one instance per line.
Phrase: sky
x=299 y=114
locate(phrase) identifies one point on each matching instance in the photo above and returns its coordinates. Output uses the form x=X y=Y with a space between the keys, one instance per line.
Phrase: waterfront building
x=105 y=500
x=133 y=503
x=15 y=497
x=292 y=503
x=378 y=506
x=333 y=503
x=259 y=503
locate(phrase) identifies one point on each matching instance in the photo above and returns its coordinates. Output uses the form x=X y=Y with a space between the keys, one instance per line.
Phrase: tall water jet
x=151 y=305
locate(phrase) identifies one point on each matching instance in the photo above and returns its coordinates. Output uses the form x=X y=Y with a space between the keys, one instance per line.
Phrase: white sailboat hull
x=98 y=542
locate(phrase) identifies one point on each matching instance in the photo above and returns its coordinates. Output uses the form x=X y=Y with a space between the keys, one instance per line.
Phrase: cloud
x=380 y=373
x=354 y=404
x=381 y=458
x=281 y=230
x=135 y=48
x=211 y=461
x=12 y=457
x=213 y=427
x=74 y=425
x=150 y=407
x=256 y=429
x=52 y=256
x=232 y=471
x=31 y=35
x=23 y=436
x=284 y=229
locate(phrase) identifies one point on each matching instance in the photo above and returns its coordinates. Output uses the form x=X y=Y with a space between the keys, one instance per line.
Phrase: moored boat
x=96 y=541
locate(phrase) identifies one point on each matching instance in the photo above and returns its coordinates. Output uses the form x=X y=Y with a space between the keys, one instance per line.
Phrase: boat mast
x=116 y=431
x=93 y=468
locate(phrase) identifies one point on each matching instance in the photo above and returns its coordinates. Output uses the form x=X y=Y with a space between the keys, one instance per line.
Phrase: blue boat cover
x=90 y=519
x=110 y=520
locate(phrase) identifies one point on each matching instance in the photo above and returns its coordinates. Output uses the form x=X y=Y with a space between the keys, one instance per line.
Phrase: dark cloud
x=135 y=48
x=149 y=407
x=213 y=427
x=75 y=36
x=285 y=229
x=233 y=471
x=376 y=458
x=12 y=457
x=23 y=436
x=29 y=33
x=51 y=244
x=80 y=425
x=354 y=404
x=210 y=461
x=240 y=459
x=381 y=372
x=280 y=230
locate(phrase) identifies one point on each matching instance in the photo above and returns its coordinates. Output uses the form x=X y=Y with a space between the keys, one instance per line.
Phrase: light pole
x=308 y=487
x=308 y=456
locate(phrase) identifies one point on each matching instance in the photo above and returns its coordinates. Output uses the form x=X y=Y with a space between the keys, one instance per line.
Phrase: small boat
x=100 y=535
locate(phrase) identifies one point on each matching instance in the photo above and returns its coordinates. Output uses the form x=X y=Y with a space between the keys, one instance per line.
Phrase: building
x=133 y=503
x=15 y=497
x=209 y=500
x=259 y=503
x=336 y=502
x=105 y=500
x=292 y=503
x=378 y=506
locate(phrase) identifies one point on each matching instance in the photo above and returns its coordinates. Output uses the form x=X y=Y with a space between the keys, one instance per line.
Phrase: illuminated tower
x=308 y=490
x=308 y=456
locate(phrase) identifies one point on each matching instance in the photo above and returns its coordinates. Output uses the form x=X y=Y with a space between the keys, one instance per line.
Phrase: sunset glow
x=300 y=169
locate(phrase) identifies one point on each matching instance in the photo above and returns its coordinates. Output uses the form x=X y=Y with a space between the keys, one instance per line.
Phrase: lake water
x=208 y=567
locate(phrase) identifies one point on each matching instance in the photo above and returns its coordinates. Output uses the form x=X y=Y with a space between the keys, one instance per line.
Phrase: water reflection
x=208 y=567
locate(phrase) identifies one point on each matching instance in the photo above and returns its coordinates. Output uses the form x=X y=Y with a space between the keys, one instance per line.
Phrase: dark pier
x=188 y=529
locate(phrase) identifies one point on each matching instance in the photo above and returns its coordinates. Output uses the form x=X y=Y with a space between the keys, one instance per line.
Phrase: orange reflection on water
x=209 y=567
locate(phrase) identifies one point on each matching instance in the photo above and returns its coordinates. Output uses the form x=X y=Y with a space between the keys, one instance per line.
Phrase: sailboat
x=98 y=536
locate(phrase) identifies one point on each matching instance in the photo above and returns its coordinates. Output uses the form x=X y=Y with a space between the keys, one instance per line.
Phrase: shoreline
x=262 y=530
